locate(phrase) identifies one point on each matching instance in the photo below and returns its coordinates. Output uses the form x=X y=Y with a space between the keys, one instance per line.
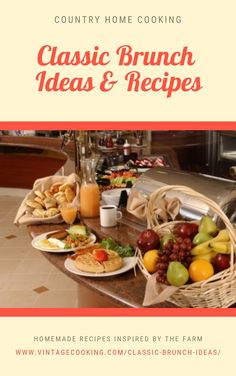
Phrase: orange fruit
x=150 y=260
x=199 y=270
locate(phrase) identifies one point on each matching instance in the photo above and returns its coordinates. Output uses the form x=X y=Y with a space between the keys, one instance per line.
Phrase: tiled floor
x=27 y=279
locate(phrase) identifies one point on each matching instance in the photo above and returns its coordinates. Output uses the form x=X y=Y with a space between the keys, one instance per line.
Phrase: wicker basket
x=219 y=291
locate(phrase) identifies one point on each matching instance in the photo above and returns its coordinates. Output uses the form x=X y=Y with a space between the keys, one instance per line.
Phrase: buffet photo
x=118 y=219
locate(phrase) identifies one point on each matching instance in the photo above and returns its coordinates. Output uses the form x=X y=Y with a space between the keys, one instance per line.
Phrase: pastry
x=51 y=212
x=50 y=202
x=39 y=194
x=33 y=204
x=63 y=187
x=87 y=262
x=38 y=213
x=39 y=200
x=70 y=194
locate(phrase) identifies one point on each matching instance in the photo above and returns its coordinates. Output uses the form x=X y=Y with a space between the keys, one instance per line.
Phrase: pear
x=165 y=239
x=207 y=225
x=201 y=237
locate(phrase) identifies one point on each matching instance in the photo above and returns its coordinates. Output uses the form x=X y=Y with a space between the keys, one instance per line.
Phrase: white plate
x=129 y=263
x=36 y=243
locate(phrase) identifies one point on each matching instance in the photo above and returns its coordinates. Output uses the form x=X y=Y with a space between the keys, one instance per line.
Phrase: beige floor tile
x=34 y=253
x=24 y=282
x=61 y=282
x=3 y=280
x=19 y=241
x=17 y=299
x=33 y=266
x=9 y=266
x=55 y=271
x=58 y=299
x=23 y=268
x=13 y=252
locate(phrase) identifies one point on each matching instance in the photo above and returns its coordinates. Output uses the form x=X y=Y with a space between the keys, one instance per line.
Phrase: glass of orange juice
x=69 y=212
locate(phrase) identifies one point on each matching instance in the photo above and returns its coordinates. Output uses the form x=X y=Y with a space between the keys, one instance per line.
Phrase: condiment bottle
x=126 y=148
x=109 y=142
x=89 y=190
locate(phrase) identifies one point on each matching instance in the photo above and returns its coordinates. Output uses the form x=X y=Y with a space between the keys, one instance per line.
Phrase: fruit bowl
x=112 y=196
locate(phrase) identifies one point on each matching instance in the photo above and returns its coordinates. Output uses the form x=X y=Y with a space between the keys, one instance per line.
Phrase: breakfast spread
x=77 y=236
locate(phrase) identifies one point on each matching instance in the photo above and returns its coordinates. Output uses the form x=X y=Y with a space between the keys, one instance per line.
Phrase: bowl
x=112 y=196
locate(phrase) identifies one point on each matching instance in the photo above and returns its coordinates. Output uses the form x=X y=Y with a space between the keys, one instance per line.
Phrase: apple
x=147 y=240
x=221 y=262
x=186 y=230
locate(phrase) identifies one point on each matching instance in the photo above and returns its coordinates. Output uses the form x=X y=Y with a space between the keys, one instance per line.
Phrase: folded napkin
x=154 y=211
x=137 y=204
x=24 y=213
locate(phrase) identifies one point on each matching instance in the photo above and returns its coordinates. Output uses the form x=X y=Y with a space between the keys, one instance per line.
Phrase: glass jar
x=89 y=190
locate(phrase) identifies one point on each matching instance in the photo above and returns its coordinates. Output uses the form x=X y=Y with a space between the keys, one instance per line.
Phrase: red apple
x=147 y=240
x=221 y=262
x=186 y=230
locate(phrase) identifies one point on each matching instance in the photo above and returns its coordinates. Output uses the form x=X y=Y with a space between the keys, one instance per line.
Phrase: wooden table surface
x=123 y=290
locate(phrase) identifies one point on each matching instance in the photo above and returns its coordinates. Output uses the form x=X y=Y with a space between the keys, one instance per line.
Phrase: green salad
x=122 y=250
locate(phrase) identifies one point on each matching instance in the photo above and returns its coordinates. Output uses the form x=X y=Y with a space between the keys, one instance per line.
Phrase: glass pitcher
x=89 y=190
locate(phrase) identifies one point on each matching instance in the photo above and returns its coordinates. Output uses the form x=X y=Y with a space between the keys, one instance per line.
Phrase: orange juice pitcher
x=89 y=190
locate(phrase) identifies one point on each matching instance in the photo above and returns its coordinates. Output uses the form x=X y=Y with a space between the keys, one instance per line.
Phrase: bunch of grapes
x=174 y=250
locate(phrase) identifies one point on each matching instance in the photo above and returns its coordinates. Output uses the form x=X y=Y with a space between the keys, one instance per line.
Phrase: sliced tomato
x=101 y=255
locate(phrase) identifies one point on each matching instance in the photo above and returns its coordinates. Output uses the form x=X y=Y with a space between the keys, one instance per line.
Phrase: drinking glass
x=69 y=213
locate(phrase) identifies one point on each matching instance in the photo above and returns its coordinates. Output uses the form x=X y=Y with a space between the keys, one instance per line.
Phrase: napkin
x=157 y=292
x=155 y=212
x=137 y=204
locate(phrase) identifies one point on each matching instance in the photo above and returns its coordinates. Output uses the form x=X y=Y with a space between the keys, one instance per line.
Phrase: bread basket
x=219 y=291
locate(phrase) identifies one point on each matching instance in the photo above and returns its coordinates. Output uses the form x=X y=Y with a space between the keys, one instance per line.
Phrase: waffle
x=87 y=263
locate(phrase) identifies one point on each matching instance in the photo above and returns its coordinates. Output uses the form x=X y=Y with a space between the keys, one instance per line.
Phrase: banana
x=223 y=236
x=207 y=256
x=203 y=248
x=220 y=247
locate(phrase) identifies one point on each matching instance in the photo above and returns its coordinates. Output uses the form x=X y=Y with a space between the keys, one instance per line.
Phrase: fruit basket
x=217 y=291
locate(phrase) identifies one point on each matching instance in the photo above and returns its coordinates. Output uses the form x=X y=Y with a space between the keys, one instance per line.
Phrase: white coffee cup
x=109 y=215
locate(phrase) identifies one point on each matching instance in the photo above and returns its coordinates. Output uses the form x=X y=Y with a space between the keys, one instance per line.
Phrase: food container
x=221 y=191
x=112 y=196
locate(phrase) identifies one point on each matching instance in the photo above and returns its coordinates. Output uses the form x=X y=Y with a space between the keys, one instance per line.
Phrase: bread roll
x=50 y=202
x=38 y=213
x=47 y=193
x=51 y=212
x=39 y=200
x=66 y=185
x=70 y=194
x=39 y=194
x=54 y=188
x=33 y=204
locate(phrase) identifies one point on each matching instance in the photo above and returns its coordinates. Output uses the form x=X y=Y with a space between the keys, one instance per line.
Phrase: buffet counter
x=123 y=290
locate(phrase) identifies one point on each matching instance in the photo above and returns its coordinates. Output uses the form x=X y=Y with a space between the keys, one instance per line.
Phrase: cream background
x=22 y=330
x=208 y=28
